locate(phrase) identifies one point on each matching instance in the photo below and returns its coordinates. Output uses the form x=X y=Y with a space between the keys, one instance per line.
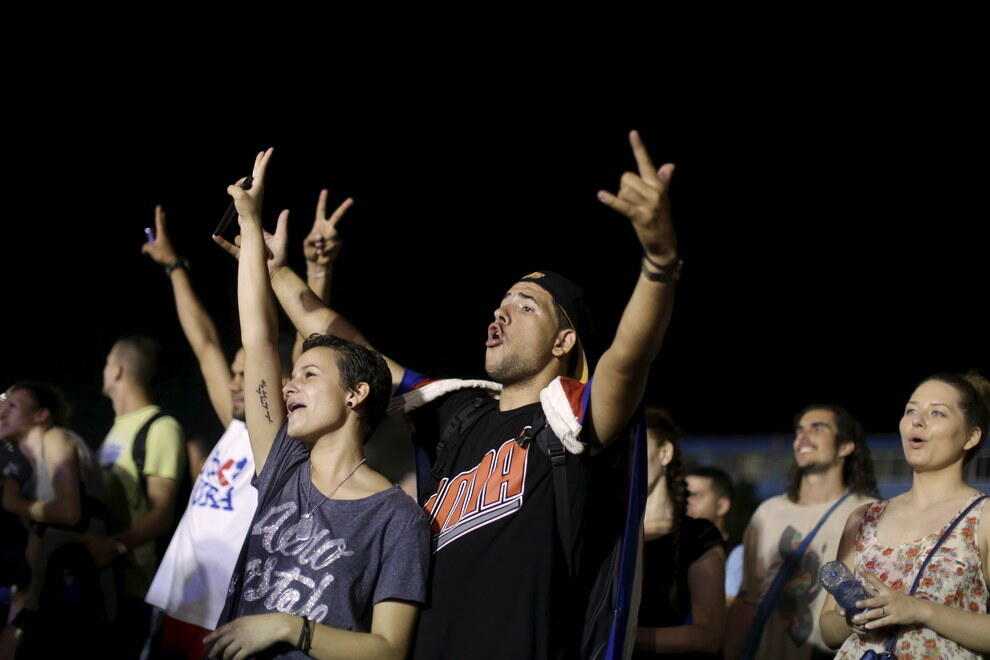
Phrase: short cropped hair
x=721 y=481
x=138 y=354
x=359 y=364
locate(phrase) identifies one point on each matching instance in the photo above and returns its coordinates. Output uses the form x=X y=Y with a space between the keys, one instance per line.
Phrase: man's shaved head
x=138 y=357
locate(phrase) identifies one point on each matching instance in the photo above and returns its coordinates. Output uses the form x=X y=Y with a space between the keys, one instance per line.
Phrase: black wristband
x=666 y=274
x=309 y=636
x=302 y=634
x=179 y=263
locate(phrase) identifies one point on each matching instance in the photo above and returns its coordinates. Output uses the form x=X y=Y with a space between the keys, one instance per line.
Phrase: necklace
x=304 y=528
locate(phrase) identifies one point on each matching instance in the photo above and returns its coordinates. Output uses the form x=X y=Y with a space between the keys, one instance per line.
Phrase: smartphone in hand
x=231 y=211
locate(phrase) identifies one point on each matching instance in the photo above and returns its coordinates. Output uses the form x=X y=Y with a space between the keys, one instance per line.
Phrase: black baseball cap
x=570 y=298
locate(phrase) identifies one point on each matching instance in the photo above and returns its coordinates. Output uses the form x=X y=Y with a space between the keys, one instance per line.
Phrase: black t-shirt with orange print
x=499 y=584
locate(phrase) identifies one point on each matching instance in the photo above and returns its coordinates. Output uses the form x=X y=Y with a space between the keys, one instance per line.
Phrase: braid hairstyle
x=661 y=423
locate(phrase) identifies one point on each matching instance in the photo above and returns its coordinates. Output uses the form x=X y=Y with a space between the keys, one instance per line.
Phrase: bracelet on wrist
x=179 y=263
x=312 y=274
x=662 y=273
x=302 y=634
x=305 y=636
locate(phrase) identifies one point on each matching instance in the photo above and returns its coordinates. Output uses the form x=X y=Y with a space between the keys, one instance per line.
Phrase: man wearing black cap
x=502 y=563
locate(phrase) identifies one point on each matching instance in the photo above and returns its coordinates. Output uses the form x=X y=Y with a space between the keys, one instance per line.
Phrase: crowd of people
x=550 y=516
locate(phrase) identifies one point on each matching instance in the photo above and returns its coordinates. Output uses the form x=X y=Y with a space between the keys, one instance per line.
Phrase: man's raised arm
x=621 y=374
x=263 y=405
x=198 y=327
x=309 y=314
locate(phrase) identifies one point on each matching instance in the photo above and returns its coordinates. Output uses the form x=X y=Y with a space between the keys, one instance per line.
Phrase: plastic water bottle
x=843 y=585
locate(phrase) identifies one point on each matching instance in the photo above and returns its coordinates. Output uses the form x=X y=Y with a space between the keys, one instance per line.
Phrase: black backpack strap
x=139 y=449
x=550 y=444
x=453 y=434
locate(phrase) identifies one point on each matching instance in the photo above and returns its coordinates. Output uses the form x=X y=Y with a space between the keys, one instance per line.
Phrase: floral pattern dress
x=953 y=577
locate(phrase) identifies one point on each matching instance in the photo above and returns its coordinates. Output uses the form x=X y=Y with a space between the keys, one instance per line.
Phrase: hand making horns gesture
x=643 y=199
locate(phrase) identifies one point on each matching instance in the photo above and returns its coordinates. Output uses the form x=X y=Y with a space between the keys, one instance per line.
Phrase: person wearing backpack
x=141 y=500
x=523 y=489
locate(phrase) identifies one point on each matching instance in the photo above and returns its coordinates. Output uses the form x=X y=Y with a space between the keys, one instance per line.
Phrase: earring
x=663 y=470
x=350 y=404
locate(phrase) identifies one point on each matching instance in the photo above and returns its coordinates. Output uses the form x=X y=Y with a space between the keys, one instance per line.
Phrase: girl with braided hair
x=682 y=612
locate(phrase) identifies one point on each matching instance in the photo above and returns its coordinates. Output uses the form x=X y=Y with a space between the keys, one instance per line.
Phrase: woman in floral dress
x=886 y=542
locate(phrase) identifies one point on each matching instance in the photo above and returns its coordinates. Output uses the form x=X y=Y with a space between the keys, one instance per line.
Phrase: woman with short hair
x=335 y=562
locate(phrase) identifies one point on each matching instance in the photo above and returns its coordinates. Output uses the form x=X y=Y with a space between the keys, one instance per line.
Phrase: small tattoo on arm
x=263 y=398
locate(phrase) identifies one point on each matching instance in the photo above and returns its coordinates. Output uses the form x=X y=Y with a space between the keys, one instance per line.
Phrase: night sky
x=834 y=245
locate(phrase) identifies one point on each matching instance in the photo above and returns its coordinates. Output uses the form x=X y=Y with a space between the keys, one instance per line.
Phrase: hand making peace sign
x=323 y=243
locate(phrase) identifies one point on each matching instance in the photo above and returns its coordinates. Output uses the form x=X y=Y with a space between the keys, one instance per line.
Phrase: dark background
x=833 y=231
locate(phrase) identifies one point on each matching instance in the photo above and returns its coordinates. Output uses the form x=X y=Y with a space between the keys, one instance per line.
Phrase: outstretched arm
x=263 y=405
x=310 y=315
x=320 y=248
x=196 y=323
x=620 y=378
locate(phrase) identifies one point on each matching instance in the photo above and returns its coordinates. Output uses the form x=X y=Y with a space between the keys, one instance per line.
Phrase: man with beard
x=831 y=475
x=501 y=585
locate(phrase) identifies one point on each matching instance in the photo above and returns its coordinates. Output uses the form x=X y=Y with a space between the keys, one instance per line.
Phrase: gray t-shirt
x=360 y=551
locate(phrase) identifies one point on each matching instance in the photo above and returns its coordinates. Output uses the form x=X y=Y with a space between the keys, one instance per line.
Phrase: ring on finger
x=883 y=612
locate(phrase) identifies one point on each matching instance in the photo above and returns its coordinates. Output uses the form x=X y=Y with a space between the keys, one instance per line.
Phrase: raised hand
x=248 y=202
x=161 y=251
x=323 y=243
x=643 y=199
x=276 y=245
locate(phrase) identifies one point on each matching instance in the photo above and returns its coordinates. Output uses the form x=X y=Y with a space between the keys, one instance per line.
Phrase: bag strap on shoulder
x=776 y=587
x=452 y=437
x=892 y=642
x=139 y=450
